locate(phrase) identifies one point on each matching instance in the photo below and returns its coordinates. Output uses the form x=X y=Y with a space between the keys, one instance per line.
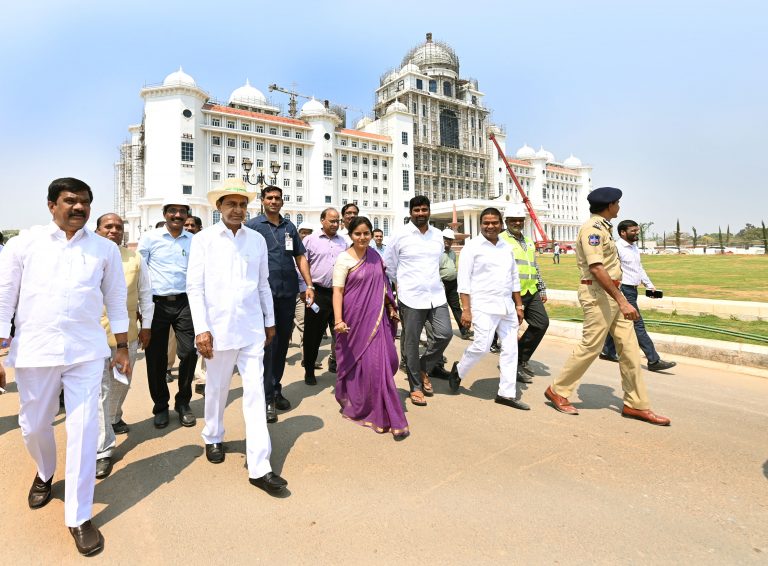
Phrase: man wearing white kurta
x=57 y=278
x=233 y=316
x=489 y=287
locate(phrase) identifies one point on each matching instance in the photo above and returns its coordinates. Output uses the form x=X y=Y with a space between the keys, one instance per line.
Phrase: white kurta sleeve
x=115 y=292
x=466 y=263
x=265 y=293
x=10 y=282
x=196 y=285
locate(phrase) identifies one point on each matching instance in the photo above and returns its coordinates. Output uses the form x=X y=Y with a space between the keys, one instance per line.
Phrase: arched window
x=385 y=228
x=216 y=216
x=299 y=218
x=287 y=215
x=376 y=222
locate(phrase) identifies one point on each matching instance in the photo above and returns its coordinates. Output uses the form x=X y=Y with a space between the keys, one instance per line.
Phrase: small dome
x=545 y=154
x=363 y=122
x=572 y=162
x=178 y=78
x=409 y=68
x=313 y=108
x=397 y=106
x=247 y=96
x=525 y=152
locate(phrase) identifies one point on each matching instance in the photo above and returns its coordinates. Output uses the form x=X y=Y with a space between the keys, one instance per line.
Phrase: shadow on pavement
x=593 y=396
x=540 y=369
x=284 y=435
x=486 y=388
x=8 y=423
x=128 y=486
x=297 y=391
x=765 y=469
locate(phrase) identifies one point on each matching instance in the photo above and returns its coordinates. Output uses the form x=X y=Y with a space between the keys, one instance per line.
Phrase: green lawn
x=727 y=277
x=561 y=312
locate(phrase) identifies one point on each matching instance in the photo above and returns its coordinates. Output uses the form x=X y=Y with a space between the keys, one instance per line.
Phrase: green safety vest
x=525 y=260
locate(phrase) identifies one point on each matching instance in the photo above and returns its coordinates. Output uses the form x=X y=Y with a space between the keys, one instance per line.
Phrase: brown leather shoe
x=39 y=493
x=426 y=385
x=88 y=539
x=560 y=403
x=647 y=415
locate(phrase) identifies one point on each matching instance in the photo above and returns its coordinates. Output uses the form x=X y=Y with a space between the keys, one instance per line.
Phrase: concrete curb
x=733 y=356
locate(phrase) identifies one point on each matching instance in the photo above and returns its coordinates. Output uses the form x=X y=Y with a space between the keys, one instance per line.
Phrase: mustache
x=71 y=214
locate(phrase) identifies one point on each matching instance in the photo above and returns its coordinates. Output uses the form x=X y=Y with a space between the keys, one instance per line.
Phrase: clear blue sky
x=666 y=99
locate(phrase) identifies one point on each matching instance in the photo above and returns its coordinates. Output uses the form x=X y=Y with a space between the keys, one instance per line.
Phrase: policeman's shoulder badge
x=594 y=239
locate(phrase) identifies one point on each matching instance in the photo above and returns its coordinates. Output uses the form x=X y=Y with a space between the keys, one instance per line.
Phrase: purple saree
x=366 y=358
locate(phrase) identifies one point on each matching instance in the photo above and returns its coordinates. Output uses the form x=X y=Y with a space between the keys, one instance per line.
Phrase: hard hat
x=180 y=200
x=449 y=234
x=515 y=211
x=306 y=226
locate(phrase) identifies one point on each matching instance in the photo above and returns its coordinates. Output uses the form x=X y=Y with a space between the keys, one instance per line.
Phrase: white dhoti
x=39 y=403
x=485 y=325
x=250 y=363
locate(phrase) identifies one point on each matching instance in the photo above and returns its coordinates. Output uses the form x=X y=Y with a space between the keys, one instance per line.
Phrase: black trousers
x=315 y=324
x=168 y=314
x=274 y=354
x=538 y=321
x=453 y=302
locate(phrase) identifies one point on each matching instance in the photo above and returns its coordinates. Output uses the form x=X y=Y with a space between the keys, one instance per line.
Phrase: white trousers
x=250 y=362
x=113 y=395
x=39 y=399
x=485 y=325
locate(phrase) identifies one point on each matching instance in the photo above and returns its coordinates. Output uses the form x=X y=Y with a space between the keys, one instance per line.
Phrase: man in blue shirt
x=166 y=252
x=285 y=255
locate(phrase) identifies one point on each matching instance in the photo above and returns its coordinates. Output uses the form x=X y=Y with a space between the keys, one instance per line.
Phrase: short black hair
x=624 y=225
x=70 y=184
x=198 y=221
x=418 y=200
x=165 y=207
x=325 y=212
x=492 y=211
x=356 y=221
x=271 y=189
x=598 y=208
x=377 y=230
x=348 y=206
x=100 y=218
x=2 y=238
x=160 y=224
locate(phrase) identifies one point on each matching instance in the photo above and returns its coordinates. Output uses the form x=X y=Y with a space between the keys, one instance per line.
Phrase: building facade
x=429 y=135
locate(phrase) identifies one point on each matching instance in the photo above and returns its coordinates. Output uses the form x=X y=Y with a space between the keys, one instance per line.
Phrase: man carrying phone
x=633 y=275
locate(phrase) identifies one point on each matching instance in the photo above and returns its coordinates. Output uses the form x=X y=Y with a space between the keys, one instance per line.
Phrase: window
x=187 y=151
x=354 y=174
x=385 y=204
x=365 y=160
x=299 y=198
x=375 y=162
x=419 y=84
x=405 y=204
x=405 y=138
x=230 y=175
x=286 y=166
x=259 y=129
x=406 y=180
x=273 y=148
x=299 y=183
x=354 y=188
x=375 y=220
x=343 y=142
x=354 y=159
x=286 y=133
x=364 y=145
x=299 y=218
x=424 y=110
x=383 y=176
x=286 y=150
x=365 y=174
x=245 y=144
x=215 y=122
x=376 y=205
x=343 y=201
x=415 y=108
x=365 y=203
x=215 y=140
x=449 y=128
x=447 y=88
x=384 y=190
x=286 y=198
x=327 y=199
x=299 y=167
x=245 y=126
x=375 y=190
x=384 y=149
x=327 y=167
x=286 y=182
x=374 y=147
x=432 y=86
x=231 y=124
x=287 y=215
x=343 y=172
x=299 y=136
x=230 y=159
x=216 y=176
x=365 y=188
x=216 y=216
x=354 y=143
x=216 y=157
x=384 y=163
x=424 y=131
x=259 y=163
x=343 y=157
x=231 y=142
x=299 y=152
x=259 y=146
x=344 y=187
x=273 y=131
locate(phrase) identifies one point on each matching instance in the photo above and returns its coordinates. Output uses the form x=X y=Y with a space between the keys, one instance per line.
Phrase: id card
x=288 y=242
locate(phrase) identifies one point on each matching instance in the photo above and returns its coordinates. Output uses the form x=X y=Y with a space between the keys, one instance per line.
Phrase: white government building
x=429 y=135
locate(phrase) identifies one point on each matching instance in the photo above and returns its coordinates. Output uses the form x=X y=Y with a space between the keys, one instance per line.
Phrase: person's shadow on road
x=593 y=396
x=128 y=486
x=765 y=469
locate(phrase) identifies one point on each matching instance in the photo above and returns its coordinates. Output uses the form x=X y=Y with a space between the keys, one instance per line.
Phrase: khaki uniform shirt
x=595 y=244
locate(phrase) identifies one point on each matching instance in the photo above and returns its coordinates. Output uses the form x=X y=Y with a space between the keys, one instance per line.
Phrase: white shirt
x=412 y=260
x=228 y=286
x=146 y=304
x=57 y=288
x=632 y=272
x=488 y=274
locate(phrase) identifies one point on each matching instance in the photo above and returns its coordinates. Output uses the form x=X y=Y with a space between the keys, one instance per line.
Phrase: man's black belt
x=170 y=298
x=321 y=288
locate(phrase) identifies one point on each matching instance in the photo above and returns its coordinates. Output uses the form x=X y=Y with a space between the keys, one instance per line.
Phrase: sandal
x=426 y=385
x=417 y=398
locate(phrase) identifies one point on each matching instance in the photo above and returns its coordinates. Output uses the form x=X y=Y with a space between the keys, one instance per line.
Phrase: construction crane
x=292 y=108
x=526 y=200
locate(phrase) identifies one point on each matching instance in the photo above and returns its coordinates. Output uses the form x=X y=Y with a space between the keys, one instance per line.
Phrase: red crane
x=526 y=200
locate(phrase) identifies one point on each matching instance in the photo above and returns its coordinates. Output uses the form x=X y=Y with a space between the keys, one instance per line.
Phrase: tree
x=720 y=239
x=644 y=227
x=677 y=235
x=728 y=235
x=664 y=240
x=695 y=237
x=765 y=238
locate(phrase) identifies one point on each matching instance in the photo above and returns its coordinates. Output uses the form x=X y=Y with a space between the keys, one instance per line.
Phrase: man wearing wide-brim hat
x=233 y=316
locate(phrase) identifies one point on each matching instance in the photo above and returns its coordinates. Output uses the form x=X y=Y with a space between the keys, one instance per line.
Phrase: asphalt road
x=475 y=483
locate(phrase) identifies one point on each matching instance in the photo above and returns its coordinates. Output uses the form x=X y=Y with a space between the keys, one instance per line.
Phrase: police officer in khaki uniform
x=605 y=308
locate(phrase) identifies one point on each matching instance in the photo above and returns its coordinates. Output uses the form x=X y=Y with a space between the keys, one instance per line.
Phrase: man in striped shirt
x=632 y=276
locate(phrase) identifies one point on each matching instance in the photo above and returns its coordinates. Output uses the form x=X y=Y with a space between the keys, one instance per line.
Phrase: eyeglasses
x=332 y=221
x=172 y=210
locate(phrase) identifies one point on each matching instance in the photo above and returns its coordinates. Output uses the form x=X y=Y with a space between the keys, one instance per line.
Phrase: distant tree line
x=750 y=235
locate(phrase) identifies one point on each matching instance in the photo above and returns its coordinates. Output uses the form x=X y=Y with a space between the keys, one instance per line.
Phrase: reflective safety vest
x=525 y=260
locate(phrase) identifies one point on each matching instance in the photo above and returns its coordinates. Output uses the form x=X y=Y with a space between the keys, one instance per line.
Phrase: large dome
x=313 y=108
x=247 y=95
x=397 y=106
x=572 y=162
x=525 y=152
x=363 y=122
x=179 y=78
x=548 y=155
x=432 y=54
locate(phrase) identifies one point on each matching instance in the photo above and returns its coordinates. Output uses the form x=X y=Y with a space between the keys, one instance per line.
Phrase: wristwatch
x=122 y=345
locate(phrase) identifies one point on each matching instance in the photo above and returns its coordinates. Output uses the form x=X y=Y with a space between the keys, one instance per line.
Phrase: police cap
x=604 y=195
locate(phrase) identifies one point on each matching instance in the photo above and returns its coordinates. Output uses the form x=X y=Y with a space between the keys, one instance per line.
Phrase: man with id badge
x=285 y=254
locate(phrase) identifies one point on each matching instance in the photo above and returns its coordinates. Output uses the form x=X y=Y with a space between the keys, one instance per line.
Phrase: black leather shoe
x=200 y=389
x=161 y=419
x=495 y=349
x=39 y=493
x=661 y=365
x=168 y=377
x=332 y=365
x=526 y=368
x=186 y=416
x=514 y=403
x=440 y=372
x=269 y=482
x=281 y=402
x=271 y=412
x=88 y=539
x=120 y=427
x=310 y=380
x=215 y=452
x=523 y=377
x=103 y=468
x=604 y=356
x=454 y=381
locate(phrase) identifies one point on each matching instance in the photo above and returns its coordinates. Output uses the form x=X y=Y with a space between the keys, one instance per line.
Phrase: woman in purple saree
x=366 y=322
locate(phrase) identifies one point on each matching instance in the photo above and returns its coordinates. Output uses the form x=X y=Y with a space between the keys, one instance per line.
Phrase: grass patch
x=563 y=312
x=711 y=276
